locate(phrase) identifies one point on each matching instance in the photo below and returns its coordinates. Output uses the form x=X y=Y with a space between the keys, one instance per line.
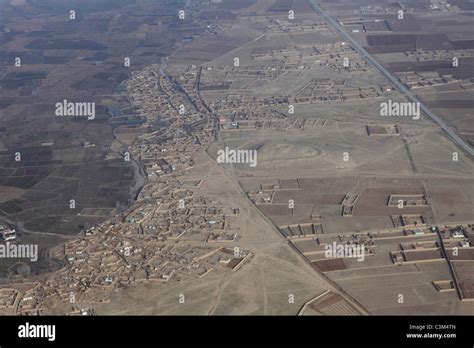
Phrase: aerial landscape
x=236 y=157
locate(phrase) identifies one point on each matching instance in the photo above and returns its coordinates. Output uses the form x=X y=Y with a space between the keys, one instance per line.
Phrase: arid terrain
x=236 y=148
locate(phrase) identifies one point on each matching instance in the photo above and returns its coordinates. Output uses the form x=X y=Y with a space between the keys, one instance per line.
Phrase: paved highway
x=355 y=45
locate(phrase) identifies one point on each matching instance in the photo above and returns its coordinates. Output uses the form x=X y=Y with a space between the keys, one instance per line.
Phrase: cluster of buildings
x=443 y=5
x=280 y=25
x=406 y=245
x=411 y=243
x=425 y=79
x=169 y=233
x=422 y=55
x=7 y=233
x=453 y=244
x=315 y=91
x=331 y=55
x=326 y=90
